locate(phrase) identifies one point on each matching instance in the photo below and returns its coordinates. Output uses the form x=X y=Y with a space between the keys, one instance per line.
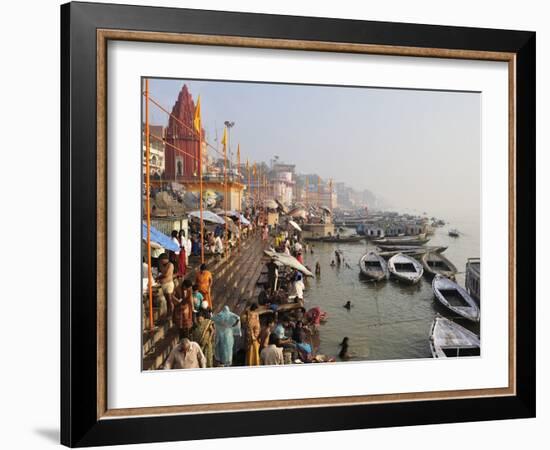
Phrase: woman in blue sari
x=228 y=325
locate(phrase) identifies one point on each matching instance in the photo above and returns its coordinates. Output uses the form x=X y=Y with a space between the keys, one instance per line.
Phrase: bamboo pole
x=225 y=190
x=306 y=191
x=148 y=204
x=201 y=198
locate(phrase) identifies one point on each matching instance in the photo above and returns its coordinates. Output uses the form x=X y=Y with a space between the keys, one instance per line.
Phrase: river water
x=389 y=319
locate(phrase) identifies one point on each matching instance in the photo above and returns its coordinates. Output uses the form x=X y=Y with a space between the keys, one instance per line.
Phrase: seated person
x=197 y=298
x=264 y=296
x=299 y=337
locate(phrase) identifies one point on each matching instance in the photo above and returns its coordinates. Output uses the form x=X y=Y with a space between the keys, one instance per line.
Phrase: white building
x=156 y=150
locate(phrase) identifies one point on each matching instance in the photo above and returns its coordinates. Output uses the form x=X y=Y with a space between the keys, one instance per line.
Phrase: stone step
x=232 y=274
x=151 y=338
x=162 y=350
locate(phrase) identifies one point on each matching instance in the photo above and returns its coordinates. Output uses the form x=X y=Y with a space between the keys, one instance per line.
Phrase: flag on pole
x=197 y=117
x=224 y=138
x=239 y=159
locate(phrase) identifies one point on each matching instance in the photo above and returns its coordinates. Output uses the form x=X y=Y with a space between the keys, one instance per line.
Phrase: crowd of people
x=222 y=339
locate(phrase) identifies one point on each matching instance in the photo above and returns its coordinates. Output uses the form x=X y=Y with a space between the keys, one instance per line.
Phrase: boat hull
x=445 y=290
x=405 y=268
x=448 y=339
x=444 y=267
x=378 y=274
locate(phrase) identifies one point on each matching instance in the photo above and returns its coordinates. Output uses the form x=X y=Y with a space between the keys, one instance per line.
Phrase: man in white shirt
x=272 y=355
x=218 y=245
x=186 y=355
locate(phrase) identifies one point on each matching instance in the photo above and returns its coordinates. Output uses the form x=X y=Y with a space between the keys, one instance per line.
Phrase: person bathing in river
x=348 y=305
x=332 y=263
x=344 y=355
x=317 y=268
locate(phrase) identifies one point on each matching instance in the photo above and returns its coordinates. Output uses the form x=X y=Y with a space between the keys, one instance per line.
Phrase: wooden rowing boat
x=405 y=240
x=455 y=298
x=336 y=239
x=404 y=248
x=405 y=268
x=374 y=267
x=448 y=339
x=436 y=264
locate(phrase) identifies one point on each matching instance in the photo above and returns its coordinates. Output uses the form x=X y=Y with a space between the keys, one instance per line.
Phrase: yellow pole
x=248 y=178
x=330 y=192
x=201 y=198
x=318 y=191
x=239 y=174
x=225 y=188
x=148 y=204
x=306 y=190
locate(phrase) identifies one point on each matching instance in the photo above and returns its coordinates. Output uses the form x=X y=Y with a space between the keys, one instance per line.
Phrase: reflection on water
x=389 y=319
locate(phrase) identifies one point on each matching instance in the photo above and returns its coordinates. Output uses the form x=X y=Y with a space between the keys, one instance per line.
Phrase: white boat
x=448 y=339
x=455 y=298
x=436 y=264
x=420 y=239
x=405 y=268
x=374 y=267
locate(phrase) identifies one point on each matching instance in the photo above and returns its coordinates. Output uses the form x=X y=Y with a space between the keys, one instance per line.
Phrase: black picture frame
x=80 y=425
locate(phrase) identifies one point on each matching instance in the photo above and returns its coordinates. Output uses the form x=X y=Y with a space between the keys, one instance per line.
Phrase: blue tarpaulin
x=160 y=238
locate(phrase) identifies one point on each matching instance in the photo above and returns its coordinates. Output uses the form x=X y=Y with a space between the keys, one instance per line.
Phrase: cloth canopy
x=289 y=261
x=160 y=238
x=294 y=225
x=236 y=215
x=209 y=216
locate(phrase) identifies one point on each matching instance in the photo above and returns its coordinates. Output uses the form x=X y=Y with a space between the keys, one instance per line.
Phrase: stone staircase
x=235 y=283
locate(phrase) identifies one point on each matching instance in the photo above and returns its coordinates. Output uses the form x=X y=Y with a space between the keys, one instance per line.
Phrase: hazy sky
x=416 y=149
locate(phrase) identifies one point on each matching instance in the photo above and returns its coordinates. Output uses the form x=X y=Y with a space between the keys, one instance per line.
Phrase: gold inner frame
x=104 y=35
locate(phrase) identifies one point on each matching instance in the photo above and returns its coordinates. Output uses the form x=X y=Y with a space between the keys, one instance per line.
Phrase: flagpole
x=248 y=179
x=200 y=198
x=318 y=191
x=239 y=174
x=306 y=190
x=148 y=204
x=225 y=184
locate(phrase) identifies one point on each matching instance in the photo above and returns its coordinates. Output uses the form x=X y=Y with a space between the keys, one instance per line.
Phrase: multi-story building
x=282 y=183
x=156 y=151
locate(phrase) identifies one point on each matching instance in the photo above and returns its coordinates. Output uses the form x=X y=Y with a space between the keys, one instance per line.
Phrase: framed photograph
x=276 y=224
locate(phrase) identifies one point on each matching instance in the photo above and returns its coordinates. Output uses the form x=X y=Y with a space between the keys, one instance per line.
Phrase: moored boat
x=405 y=268
x=436 y=264
x=454 y=232
x=455 y=298
x=473 y=278
x=448 y=339
x=338 y=239
x=405 y=248
x=403 y=240
x=373 y=266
